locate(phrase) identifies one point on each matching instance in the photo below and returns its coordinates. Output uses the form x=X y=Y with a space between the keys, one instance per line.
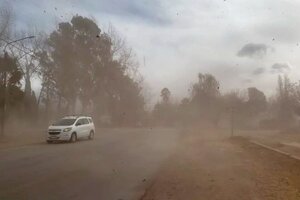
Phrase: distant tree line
x=250 y=108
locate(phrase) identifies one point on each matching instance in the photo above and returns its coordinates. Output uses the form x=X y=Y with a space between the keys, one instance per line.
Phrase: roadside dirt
x=210 y=166
x=22 y=138
x=288 y=143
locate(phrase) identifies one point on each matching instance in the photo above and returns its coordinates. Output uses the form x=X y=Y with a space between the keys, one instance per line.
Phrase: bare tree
x=285 y=101
x=26 y=53
x=124 y=54
x=6 y=20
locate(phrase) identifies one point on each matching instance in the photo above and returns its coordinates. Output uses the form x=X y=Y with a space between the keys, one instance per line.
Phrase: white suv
x=71 y=128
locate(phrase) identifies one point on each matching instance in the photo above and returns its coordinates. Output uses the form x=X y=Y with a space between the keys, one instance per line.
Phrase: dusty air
x=149 y=100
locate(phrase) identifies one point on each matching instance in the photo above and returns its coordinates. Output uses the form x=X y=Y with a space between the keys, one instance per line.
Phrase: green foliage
x=204 y=98
x=165 y=95
x=80 y=64
x=207 y=106
x=165 y=112
x=10 y=87
x=257 y=101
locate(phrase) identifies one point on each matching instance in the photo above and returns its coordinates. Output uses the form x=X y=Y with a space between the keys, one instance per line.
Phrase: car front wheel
x=73 y=138
x=91 y=136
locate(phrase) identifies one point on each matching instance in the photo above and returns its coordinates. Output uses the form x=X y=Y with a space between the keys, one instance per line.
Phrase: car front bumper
x=58 y=137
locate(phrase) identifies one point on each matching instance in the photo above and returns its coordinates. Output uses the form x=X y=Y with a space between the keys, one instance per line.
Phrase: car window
x=80 y=121
x=86 y=121
x=90 y=120
x=64 y=122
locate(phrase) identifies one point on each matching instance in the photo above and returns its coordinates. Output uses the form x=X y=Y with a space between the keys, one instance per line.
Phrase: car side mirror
x=78 y=124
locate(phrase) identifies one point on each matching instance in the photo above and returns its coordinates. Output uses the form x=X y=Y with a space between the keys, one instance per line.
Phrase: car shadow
x=67 y=142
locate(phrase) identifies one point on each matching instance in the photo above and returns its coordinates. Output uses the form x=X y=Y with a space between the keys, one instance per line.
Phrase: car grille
x=54 y=131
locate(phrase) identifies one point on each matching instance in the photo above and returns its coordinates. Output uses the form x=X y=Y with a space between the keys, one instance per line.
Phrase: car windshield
x=64 y=122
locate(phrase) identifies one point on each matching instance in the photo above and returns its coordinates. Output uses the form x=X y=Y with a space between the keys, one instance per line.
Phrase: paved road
x=117 y=164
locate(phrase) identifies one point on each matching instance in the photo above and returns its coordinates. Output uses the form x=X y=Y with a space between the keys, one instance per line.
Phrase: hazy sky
x=242 y=42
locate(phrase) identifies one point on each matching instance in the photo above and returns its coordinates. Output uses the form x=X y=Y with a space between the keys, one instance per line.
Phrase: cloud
x=136 y=12
x=252 y=50
x=280 y=68
x=181 y=38
x=153 y=11
x=258 y=71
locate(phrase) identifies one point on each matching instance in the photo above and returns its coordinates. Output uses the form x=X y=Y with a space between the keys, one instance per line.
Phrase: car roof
x=70 y=117
x=75 y=117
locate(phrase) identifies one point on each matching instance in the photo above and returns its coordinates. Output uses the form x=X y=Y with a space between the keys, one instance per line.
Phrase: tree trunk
x=27 y=83
x=84 y=105
x=40 y=95
x=3 y=113
x=47 y=110
x=59 y=106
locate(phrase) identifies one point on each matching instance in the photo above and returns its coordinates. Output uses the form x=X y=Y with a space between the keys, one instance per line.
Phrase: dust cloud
x=87 y=70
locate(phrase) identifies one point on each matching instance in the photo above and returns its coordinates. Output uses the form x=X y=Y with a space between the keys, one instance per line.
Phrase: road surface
x=146 y=164
x=117 y=164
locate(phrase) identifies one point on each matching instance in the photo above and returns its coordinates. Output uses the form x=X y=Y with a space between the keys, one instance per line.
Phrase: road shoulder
x=208 y=166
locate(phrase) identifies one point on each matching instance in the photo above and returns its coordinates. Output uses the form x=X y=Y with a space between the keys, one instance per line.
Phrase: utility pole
x=5 y=92
x=232 y=121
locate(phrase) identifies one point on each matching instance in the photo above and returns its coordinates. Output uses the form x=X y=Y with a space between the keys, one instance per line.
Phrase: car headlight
x=67 y=129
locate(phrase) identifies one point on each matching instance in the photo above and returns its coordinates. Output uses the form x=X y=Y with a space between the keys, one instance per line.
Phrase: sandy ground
x=285 y=142
x=22 y=138
x=210 y=166
x=117 y=164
